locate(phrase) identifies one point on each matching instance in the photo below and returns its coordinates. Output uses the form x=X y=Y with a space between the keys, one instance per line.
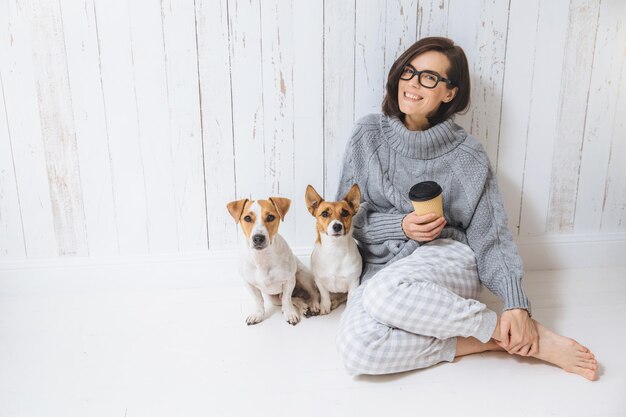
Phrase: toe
x=587 y=373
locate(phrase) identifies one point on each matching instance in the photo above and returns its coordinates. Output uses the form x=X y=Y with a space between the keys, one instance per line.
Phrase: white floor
x=126 y=351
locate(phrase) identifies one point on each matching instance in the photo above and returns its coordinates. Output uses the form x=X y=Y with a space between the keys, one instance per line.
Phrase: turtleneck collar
x=422 y=144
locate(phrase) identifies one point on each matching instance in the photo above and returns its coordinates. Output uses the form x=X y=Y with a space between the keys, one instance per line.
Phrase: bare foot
x=566 y=353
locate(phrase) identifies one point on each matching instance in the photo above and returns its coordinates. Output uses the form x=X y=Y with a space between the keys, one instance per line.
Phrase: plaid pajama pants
x=409 y=314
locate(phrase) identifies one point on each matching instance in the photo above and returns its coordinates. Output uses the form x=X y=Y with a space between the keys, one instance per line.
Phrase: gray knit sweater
x=386 y=159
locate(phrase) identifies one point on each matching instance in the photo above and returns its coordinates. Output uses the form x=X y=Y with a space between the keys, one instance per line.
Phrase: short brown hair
x=458 y=73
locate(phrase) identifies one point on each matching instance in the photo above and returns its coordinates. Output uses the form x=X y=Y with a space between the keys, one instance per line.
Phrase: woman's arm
x=499 y=265
x=500 y=269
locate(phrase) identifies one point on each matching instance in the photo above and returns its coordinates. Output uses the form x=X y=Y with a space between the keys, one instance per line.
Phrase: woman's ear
x=450 y=94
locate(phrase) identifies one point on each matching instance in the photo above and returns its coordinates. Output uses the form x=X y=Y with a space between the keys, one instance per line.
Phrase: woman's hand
x=518 y=333
x=423 y=228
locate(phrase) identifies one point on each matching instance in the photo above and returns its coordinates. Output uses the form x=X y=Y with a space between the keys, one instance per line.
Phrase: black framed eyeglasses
x=426 y=78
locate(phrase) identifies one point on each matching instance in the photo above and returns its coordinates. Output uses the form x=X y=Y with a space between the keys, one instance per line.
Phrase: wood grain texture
x=215 y=102
x=607 y=66
x=120 y=101
x=11 y=229
x=432 y=18
x=516 y=106
x=185 y=133
x=22 y=115
x=339 y=87
x=542 y=121
x=370 y=71
x=308 y=113
x=57 y=128
x=575 y=87
x=126 y=127
x=480 y=27
x=400 y=30
x=247 y=90
x=87 y=99
x=277 y=28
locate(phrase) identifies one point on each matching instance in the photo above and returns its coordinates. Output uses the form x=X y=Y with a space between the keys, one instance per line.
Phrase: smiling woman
x=417 y=303
x=433 y=73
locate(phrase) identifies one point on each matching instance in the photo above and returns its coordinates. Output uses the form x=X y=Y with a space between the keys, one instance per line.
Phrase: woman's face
x=418 y=102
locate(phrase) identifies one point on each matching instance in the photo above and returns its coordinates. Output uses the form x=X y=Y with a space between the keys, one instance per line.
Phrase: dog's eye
x=344 y=213
x=270 y=218
x=324 y=214
x=248 y=219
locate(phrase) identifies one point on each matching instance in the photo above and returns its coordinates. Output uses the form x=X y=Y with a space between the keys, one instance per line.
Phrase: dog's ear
x=313 y=199
x=235 y=208
x=282 y=205
x=353 y=197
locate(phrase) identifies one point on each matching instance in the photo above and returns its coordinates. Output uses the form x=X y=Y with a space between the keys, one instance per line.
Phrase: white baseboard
x=573 y=251
x=219 y=268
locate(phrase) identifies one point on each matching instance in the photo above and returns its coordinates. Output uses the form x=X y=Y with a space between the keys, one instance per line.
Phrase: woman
x=416 y=305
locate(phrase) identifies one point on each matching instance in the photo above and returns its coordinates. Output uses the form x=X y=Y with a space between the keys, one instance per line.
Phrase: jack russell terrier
x=336 y=262
x=267 y=264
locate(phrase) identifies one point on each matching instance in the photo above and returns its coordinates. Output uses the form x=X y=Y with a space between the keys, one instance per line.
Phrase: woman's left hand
x=518 y=333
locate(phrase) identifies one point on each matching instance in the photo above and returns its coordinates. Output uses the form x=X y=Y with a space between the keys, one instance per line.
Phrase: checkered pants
x=409 y=314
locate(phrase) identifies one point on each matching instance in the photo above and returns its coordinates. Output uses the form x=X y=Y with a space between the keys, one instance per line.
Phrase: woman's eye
x=407 y=70
x=324 y=214
x=344 y=213
x=270 y=218
x=248 y=219
x=431 y=77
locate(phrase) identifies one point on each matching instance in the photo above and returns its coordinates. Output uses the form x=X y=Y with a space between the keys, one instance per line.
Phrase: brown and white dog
x=335 y=262
x=267 y=264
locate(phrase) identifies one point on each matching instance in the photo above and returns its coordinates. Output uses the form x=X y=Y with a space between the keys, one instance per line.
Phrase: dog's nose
x=337 y=227
x=258 y=239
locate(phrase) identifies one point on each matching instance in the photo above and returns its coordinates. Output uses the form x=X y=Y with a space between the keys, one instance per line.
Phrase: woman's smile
x=412 y=97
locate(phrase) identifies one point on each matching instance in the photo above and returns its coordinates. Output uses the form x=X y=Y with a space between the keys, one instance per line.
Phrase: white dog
x=267 y=264
x=336 y=262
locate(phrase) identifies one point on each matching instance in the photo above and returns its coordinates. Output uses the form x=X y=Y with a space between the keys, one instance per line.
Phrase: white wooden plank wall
x=126 y=126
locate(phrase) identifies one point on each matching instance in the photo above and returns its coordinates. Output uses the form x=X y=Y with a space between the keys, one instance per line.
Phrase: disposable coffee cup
x=426 y=198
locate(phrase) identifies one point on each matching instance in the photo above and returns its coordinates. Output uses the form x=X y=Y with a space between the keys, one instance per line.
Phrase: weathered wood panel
x=22 y=115
x=308 y=112
x=608 y=62
x=183 y=102
x=432 y=18
x=151 y=97
x=401 y=31
x=516 y=105
x=247 y=98
x=575 y=86
x=480 y=28
x=57 y=127
x=126 y=127
x=339 y=71
x=120 y=102
x=613 y=214
x=11 y=230
x=87 y=99
x=542 y=121
x=216 y=105
x=369 y=58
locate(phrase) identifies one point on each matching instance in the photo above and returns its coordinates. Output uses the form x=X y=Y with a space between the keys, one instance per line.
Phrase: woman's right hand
x=423 y=228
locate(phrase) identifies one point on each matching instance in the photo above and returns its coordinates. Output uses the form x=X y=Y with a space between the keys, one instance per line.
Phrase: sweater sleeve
x=370 y=225
x=499 y=265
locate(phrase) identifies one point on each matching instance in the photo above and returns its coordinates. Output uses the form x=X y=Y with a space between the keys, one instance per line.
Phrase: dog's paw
x=325 y=308
x=301 y=306
x=254 y=318
x=314 y=309
x=292 y=317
